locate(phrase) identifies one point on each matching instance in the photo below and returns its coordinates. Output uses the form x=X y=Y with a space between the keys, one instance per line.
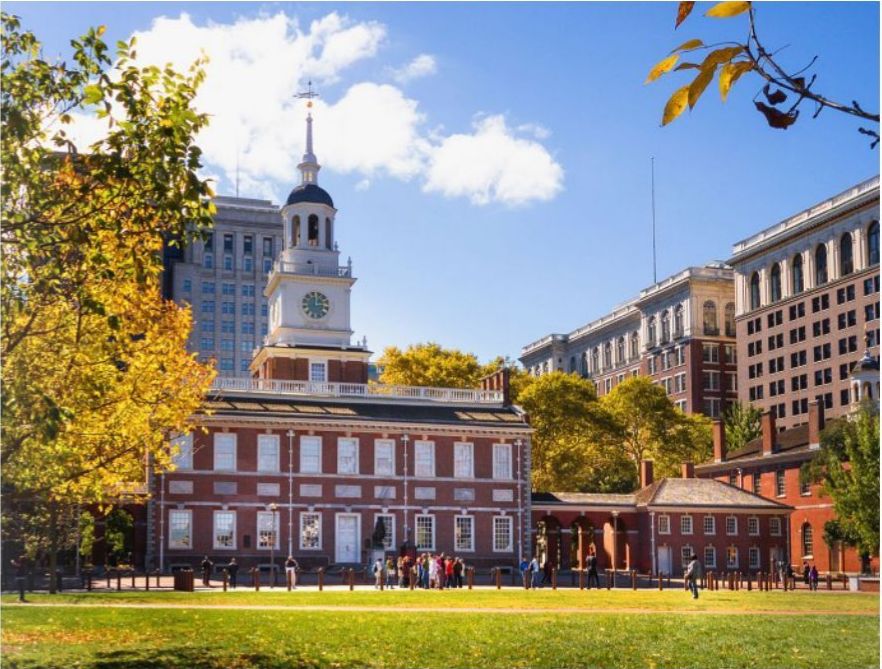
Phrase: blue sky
x=499 y=188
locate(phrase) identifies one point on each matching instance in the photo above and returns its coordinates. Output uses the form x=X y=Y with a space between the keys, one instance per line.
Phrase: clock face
x=315 y=305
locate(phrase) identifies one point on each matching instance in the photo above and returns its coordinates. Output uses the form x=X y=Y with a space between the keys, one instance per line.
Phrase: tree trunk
x=53 y=546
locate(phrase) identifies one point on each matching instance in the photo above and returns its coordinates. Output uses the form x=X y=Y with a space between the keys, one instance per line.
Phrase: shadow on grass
x=172 y=658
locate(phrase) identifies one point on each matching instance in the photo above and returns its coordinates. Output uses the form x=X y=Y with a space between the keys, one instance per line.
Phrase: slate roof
x=442 y=414
x=583 y=498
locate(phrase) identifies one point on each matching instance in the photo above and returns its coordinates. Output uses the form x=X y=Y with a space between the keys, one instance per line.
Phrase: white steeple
x=309 y=165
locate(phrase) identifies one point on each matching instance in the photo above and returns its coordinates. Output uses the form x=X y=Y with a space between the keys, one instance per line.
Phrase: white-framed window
x=463 y=460
x=775 y=526
x=710 y=525
x=502 y=534
x=310 y=455
x=180 y=528
x=384 y=457
x=753 y=557
x=182 y=457
x=731 y=525
x=502 y=461
x=685 y=524
x=424 y=459
x=753 y=526
x=732 y=557
x=685 y=553
x=225 y=451
x=224 y=530
x=347 y=455
x=425 y=532
x=664 y=524
x=310 y=531
x=780 y=486
x=267 y=452
x=464 y=533
x=388 y=528
x=268 y=530
x=318 y=371
x=710 y=557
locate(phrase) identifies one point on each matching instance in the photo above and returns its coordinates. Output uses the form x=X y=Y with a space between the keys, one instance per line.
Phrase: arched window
x=584 y=362
x=572 y=364
x=650 y=331
x=820 y=265
x=620 y=350
x=678 y=321
x=329 y=241
x=775 y=282
x=808 y=540
x=665 y=326
x=755 y=291
x=846 y=255
x=295 y=239
x=635 y=345
x=873 y=243
x=595 y=360
x=313 y=237
x=709 y=311
x=796 y=272
x=607 y=355
x=730 y=319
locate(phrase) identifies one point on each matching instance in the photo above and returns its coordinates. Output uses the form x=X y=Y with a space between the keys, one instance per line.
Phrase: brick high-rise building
x=807 y=292
x=679 y=331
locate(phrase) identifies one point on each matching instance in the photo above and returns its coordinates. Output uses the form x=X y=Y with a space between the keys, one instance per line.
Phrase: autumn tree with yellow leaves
x=95 y=373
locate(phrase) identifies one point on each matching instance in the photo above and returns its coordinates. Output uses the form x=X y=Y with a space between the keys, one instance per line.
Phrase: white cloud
x=493 y=165
x=421 y=66
x=538 y=131
x=372 y=130
x=363 y=185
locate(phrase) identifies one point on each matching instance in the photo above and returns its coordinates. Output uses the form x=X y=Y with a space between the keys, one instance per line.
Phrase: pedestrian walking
x=458 y=568
x=813 y=577
x=592 y=571
x=525 y=572
x=233 y=571
x=21 y=572
x=693 y=573
x=378 y=573
x=806 y=572
x=392 y=571
x=206 y=571
x=534 y=572
x=291 y=568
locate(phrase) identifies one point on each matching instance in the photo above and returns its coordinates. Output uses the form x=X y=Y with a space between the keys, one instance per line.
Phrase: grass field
x=668 y=631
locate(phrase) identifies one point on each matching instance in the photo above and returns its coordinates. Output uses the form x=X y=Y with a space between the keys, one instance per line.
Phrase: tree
x=847 y=467
x=118 y=526
x=649 y=426
x=95 y=369
x=743 y=423
x=429 y=365
x=732 y=60
x=573 y=444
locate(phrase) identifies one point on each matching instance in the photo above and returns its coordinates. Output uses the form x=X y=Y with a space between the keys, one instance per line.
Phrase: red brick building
x=655 y=529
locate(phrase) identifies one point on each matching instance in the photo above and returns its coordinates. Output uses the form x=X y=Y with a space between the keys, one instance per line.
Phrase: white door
x=664 y=559
x=348 y=537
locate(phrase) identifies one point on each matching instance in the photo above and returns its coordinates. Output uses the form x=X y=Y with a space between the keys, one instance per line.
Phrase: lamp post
x=405 y=438
x=274 y=508
x=519 y=445
x=290 y=435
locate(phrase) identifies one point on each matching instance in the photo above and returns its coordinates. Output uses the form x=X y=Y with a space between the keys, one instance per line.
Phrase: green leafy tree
x=430 y=364
x=118 y=525
x=784 y=89
x=649 y=426
x=743 y=423
x=847 y=467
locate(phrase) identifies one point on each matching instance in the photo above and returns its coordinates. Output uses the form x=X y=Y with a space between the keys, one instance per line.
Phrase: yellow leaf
x=730 y=73
x=661 y=67
x=676 y=104
x=688 y=66
x=683 y=10
x=721 y=56
x=725 y=10
x=696 y=88
x=689 y=45
x=100 y=30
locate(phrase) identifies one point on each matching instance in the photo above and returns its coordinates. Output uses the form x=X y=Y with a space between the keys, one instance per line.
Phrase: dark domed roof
x=310 y=193
x=866 y=364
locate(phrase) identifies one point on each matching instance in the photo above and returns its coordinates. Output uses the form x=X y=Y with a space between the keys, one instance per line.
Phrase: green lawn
x=109 y=637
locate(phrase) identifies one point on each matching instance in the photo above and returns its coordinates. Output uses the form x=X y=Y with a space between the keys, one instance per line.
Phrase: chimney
x=499 y=380
x=687 y=470
x=768 y=425
x=645 y=473
x=719 y=431
x=815 y=423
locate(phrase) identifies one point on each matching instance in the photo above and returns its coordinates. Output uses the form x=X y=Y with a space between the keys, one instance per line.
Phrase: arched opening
x=329 y=236
x=295 y=226
x=635 y=345
x=584 y=363
x=650 y=331
x=595 y=360
x=873 y=243
x=846 y=255
x=572 y=364
x=607 y=356
x=775 y=282
x=313 y=232
x=581 y=543
x=678 y=321
x=616 y=549
x=709 y=311
x=820 y=265
x=620 y=350
x=796 y=274
x=808 y=541
x=665 y=327
x=548 y=535
x=755 y=291
x=730 y=319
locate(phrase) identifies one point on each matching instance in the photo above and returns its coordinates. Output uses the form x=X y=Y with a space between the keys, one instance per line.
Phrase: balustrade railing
x=313 y=269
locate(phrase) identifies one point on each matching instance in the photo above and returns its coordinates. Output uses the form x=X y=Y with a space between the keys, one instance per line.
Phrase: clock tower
x=308 y=290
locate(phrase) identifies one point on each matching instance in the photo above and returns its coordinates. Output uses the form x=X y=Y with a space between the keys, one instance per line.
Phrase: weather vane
x=307 y=95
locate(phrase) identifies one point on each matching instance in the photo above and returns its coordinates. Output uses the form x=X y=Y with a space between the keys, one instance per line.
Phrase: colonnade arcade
x=568 y=539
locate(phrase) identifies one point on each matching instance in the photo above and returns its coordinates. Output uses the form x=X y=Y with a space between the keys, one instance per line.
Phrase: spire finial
x=309 y=166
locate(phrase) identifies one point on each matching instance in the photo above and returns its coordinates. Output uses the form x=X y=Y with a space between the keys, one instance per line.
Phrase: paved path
x=428 y=609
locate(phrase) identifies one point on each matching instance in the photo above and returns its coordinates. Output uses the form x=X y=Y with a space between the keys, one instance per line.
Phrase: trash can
x=184 y=580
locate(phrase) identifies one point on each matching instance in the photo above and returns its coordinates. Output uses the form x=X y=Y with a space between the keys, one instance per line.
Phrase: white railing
x=356 y=390
x=313 y=269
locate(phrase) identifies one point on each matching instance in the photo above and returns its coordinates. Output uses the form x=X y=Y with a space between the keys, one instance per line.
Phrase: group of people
x=810 y=575
x=530 y=572
x=291 y=569
x=437 y=571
